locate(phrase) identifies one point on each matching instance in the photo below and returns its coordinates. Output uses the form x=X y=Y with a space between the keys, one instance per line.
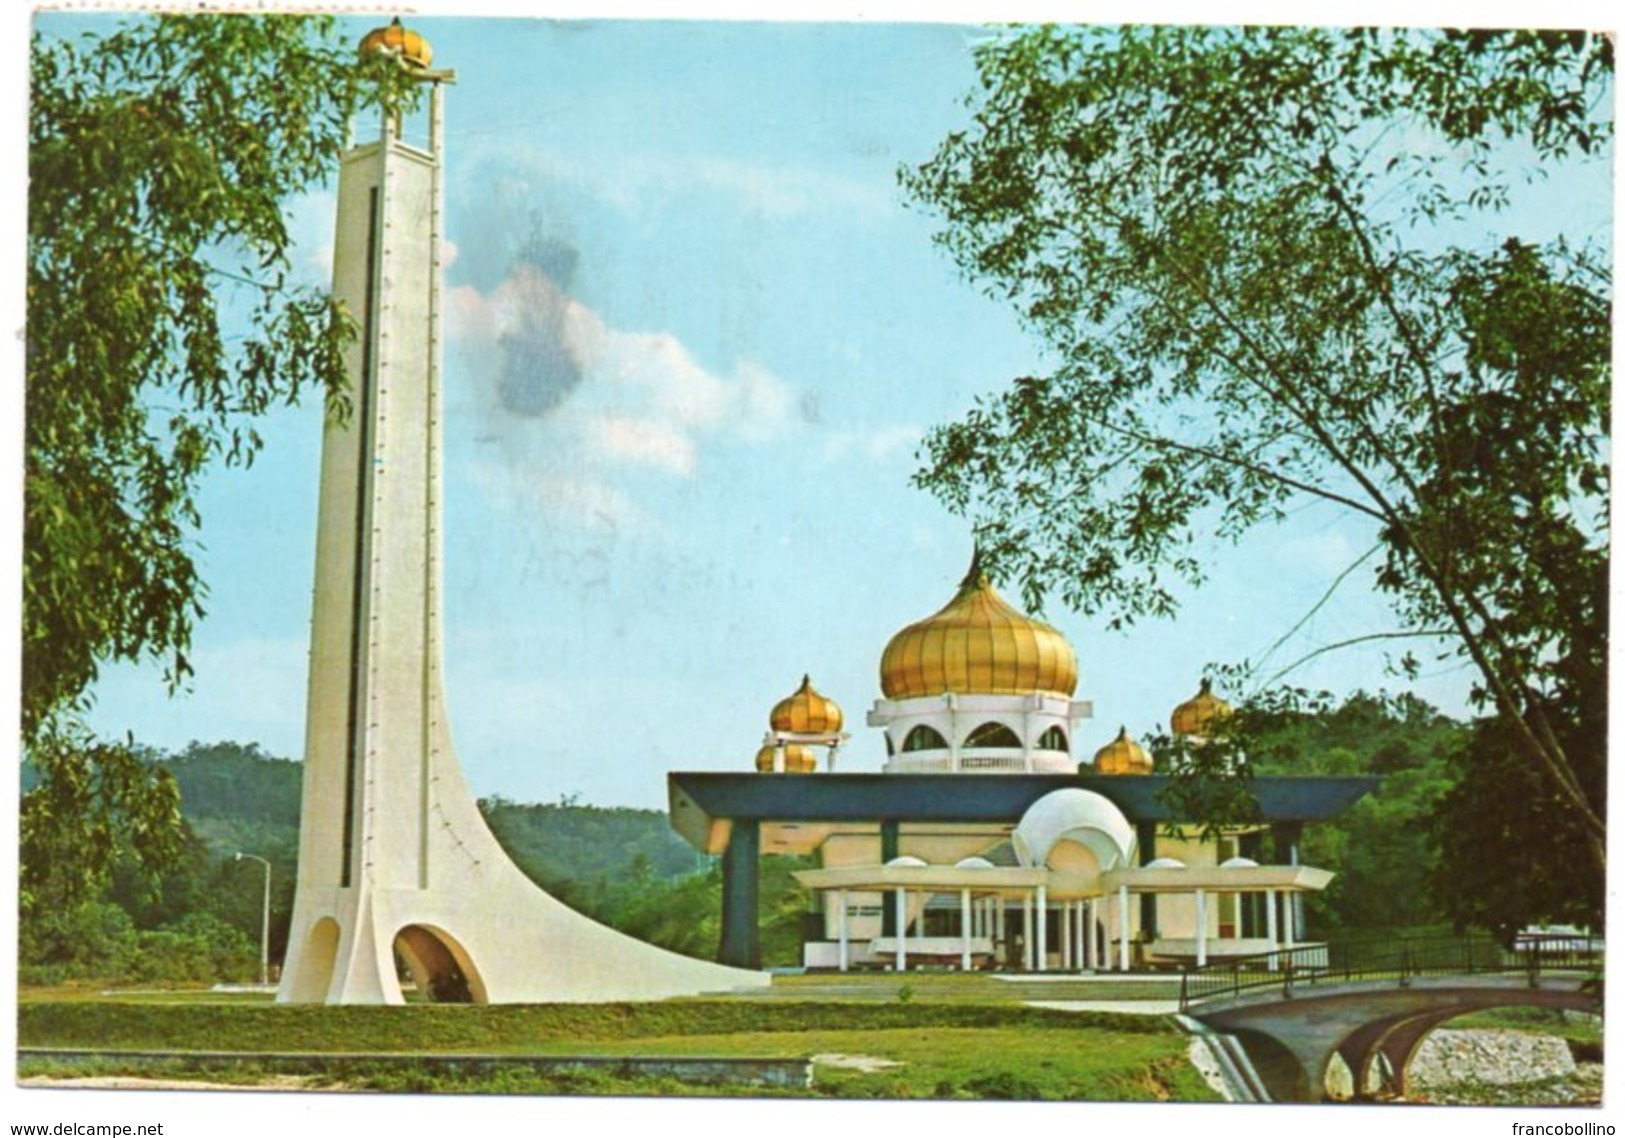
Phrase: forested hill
x=237 y=797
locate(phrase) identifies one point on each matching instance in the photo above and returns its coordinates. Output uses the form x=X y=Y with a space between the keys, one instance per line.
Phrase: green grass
x=944 y=1047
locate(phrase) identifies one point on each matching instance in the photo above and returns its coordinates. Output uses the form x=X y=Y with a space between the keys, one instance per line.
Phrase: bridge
x=1283 y=1019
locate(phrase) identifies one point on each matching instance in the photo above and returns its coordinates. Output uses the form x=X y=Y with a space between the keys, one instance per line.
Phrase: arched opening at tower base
x=313 y=972
x=439 y=966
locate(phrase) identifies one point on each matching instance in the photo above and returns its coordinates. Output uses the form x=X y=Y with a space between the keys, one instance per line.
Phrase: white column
x=840 y=929
x=1288 y=931
x=1027 y=930
x=1065 y=915
x=1041 y=940
x=1269 y=924
x=902 y=928
x=1201 y=928
x=1122 y=928
x=1089 y=934
x=964 y=930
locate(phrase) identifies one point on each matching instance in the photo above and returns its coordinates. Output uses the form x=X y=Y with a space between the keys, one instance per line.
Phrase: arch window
x=993 y=735
x=923 y=738
x=1053 y=739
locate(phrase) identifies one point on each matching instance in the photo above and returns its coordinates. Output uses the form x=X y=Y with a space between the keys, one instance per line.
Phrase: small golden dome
x=1122 y=756
x=977 y=644
x=397 y=39
x=806 y=712
x=1197 y=715
x=797 y=759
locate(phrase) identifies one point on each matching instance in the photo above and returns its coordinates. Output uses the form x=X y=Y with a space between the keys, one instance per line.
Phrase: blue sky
x=647 y=545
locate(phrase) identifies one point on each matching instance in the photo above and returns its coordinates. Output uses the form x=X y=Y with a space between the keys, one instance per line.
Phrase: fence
x=1318 y=964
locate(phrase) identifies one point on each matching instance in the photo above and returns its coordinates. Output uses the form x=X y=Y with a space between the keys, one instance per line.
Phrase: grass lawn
x=935 y=1037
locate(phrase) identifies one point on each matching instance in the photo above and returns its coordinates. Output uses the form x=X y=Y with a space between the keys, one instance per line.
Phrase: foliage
x=163 y=315
x=623 y=867
x=1389 y=874
x=1273 y=268
x=570 y=841
x=90 y=800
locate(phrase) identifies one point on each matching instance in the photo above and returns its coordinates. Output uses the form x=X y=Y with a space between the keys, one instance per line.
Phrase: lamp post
x=265 y=919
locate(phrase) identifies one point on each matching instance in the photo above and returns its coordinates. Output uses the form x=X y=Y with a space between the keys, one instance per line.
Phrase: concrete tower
x=395 y=859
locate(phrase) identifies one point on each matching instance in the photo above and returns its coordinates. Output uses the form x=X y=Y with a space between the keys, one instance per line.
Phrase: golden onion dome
x=807 y=712
x=797 y=759
x=977 y=644
x=397 y=39
x=1197 y=715
x=1122 y=756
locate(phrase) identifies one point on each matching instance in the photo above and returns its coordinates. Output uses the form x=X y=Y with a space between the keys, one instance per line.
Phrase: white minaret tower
x=395 y=860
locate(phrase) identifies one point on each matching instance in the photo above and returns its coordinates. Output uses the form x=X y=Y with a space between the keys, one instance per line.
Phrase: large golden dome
x=807 y=712
x=1197 y=715
x=977 y=645
x=1122 y=756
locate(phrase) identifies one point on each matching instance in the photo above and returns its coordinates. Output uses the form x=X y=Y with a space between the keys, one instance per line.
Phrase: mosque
x=986 y=842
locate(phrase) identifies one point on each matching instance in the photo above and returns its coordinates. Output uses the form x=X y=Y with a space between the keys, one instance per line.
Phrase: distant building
x=986 y=842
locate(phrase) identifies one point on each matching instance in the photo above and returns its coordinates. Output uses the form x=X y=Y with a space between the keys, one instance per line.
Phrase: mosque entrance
x=438 y=965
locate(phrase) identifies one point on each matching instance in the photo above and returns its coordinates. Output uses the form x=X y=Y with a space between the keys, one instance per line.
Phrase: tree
x=1278 y=266
x=163 y=315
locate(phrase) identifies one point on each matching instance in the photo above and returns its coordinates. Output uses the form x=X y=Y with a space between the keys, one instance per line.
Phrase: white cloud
x=622 y=401
x=649 y=442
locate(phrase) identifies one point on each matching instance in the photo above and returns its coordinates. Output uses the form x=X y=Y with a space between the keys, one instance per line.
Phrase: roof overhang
x=704 y=805
x=1220 y=879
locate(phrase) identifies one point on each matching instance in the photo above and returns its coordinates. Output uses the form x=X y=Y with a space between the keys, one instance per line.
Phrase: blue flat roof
x=975 y=798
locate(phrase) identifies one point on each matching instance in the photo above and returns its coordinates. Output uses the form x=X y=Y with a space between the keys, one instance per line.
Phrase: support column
x=1145 y=837
x=1041 y=941
x=741 y=862
x=1201 y=928
x=840 y=931
x=964 y=930
x=888 y=851
x=1288 y=925
x=1065 y=916
x=1089 y=934
x=1269 y=924
x=901 y=909
x=1122 y=928
x=1027 y=930
x=1288 y=837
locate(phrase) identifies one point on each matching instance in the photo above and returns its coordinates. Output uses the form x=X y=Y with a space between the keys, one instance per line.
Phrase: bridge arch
x=1373 y=1027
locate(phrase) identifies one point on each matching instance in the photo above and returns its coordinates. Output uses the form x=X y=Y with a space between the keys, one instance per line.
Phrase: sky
x=695 y=335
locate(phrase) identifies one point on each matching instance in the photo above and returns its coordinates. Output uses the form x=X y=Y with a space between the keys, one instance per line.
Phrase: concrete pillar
x=1201 y=928
x=964 y=930
x=840 y=931
x=1270 y=930
x=1064 y=915
x=1027 y=930
x=1145 y=837
x=901 y=909
x=1122 y=928
x=1042 y=939
x=1089 y=934
x=741 y=862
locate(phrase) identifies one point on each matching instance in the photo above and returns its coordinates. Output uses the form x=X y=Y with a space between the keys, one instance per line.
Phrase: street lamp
x=265 y=919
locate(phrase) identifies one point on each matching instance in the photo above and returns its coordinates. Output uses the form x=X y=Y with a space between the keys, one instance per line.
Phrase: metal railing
x=1287 y=970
